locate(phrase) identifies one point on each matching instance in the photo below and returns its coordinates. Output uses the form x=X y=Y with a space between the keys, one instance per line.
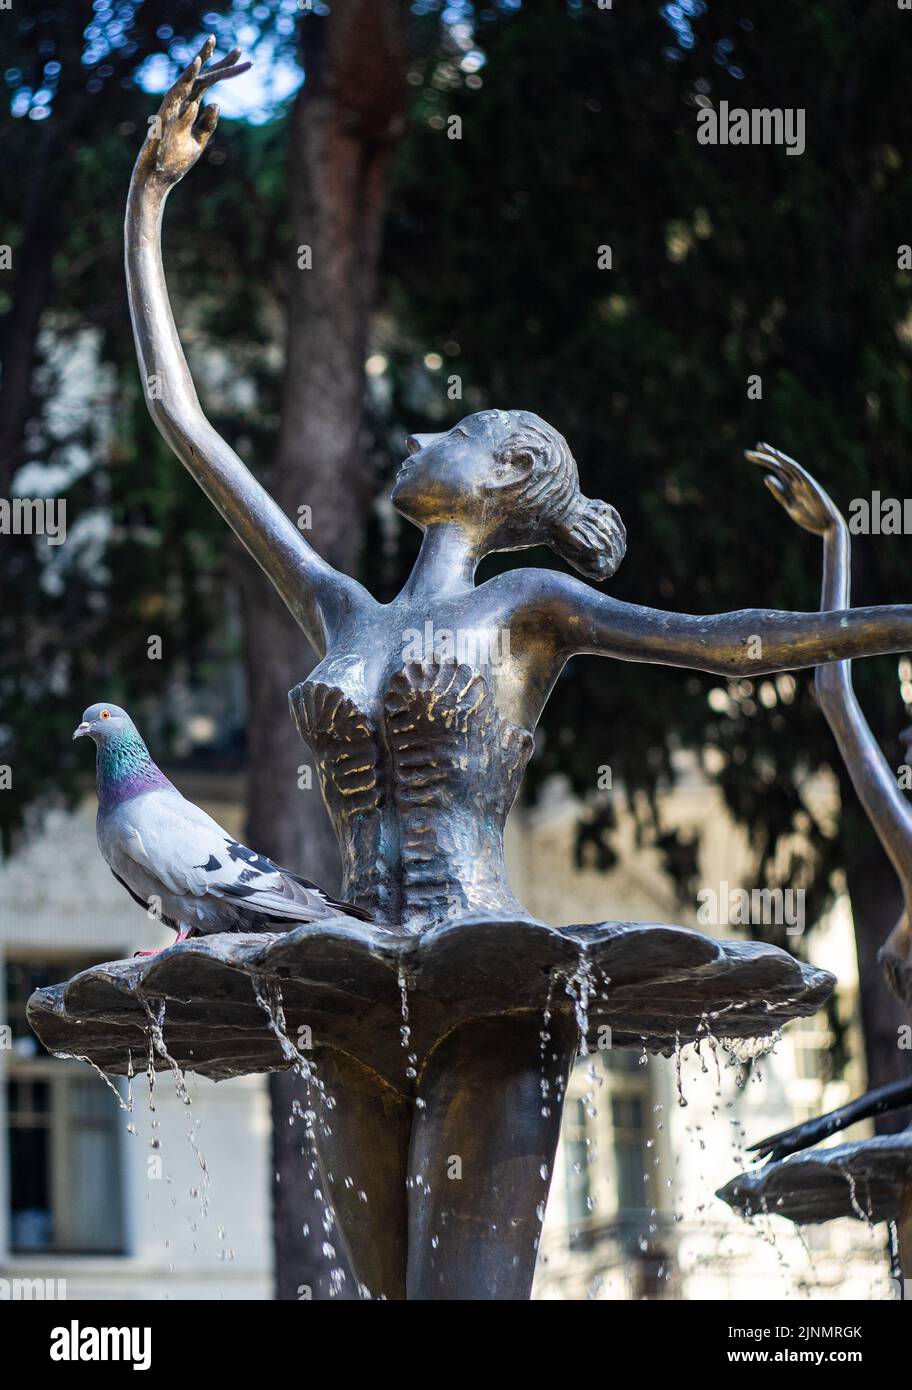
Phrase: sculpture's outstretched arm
x=312 y=589
x=874 y=780
x=749 y=642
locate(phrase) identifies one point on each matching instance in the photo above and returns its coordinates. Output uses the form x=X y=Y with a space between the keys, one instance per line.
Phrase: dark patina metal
x=870 y=1179
x=421 y=714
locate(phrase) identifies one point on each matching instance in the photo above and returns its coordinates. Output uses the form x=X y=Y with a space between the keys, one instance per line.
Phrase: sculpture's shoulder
x=543 y=603
x=533 y=584
x=513 y=588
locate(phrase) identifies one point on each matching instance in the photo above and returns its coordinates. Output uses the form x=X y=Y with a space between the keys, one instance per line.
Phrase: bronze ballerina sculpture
x=421 y=753
x=872 y=777
x=811 y=507
x=498 y=480
x=884 y=1165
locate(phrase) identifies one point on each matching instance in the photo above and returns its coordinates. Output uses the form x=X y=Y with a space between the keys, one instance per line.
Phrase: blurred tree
x=76 y=618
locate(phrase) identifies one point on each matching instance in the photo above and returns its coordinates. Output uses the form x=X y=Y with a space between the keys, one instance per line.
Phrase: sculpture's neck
x=446 y=563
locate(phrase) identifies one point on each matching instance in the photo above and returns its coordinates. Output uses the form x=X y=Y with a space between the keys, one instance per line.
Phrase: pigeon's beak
x=81 y=730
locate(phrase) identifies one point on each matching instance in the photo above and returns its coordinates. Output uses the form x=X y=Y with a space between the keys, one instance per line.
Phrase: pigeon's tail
x=265 y=898
x=342 y=908
x=272 y=916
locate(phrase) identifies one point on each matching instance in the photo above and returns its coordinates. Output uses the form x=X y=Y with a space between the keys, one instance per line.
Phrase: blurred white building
x=112 y=1201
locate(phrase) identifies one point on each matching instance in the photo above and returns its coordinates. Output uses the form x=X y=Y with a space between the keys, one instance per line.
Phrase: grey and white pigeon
x=173 y=857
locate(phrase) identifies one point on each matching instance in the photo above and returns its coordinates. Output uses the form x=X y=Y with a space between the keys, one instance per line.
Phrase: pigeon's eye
x=105 y=714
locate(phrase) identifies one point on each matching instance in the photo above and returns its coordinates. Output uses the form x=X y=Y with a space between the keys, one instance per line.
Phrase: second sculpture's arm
x=311 y=588
x=874 y=780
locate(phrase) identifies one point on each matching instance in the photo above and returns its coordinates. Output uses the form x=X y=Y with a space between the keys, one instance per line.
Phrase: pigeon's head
x=99 y=722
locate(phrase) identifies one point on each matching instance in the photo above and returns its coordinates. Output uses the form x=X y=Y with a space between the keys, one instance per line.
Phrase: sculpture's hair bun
x=591 y=537
x=547 y=505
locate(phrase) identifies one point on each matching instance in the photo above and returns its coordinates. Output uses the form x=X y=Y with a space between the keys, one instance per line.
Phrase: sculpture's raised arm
x=311 y=588
x=874 y=780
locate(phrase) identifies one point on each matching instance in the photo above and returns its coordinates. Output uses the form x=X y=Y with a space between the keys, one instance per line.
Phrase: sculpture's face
x=456 y=476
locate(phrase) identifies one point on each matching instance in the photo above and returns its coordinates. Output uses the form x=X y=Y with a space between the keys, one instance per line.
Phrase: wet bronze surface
x=651 y=985
x=420 y=758
x=868 y=1180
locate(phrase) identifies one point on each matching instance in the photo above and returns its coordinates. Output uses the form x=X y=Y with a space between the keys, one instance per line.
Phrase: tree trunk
x=345 y=124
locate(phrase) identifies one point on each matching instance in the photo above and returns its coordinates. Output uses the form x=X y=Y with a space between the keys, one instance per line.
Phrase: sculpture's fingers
x=206 y=125
x=225 y=62
x=207 y=49
x=784 y=464
x=187 y=112
x=763 y=460
x=191 y=71
x=780 y=490
x=187 y=78
x=774 y=452
x=208 y=78
x=181 y=93
x=792 y=474
x=792 y=466
x=794 y=469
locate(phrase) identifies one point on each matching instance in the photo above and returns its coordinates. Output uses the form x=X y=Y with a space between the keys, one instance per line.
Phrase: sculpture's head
x=100 y=721
x=509 y=478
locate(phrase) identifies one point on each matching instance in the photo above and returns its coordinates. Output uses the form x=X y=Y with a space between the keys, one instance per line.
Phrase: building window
x=631 y=1097
x=28 y=1107
x=63 y=1136
x=576 y=1148
x=629 y=1132
x=812 y=1040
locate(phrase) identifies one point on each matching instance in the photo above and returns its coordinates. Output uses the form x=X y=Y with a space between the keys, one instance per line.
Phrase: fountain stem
x=904 y=1226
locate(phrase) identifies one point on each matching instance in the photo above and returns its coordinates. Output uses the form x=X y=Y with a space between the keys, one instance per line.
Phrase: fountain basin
x=869 y=1180
x=651 y=985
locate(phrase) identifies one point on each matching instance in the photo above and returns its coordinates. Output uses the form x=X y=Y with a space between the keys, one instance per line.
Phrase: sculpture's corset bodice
x=418 y=784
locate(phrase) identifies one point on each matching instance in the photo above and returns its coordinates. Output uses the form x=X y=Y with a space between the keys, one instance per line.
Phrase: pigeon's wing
x=169 y=839
x=191 y=854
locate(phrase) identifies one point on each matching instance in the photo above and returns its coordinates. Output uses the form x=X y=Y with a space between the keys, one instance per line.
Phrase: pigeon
x=174 y=858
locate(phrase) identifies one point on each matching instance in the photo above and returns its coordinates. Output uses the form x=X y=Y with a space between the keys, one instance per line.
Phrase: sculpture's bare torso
x=420 y=717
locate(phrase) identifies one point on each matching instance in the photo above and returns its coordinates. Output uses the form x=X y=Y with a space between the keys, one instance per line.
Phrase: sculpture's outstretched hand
x=794 y=489
x=179 y=133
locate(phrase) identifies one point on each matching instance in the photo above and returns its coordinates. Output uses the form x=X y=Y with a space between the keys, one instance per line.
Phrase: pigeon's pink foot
x=181 y=936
